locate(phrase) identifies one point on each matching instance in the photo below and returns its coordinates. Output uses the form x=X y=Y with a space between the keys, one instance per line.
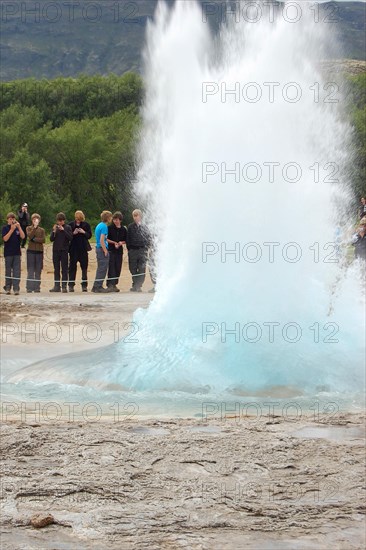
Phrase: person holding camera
x=24 y=220
x=79 y=249
x=12 y=235
x=36 y=237
x=117 y=235
x=61 y=237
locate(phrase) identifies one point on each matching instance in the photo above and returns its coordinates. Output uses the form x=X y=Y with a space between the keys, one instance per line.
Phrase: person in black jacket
x=12 y=234
x=24 y=220
x=138 y=242
x=61 y=237
x=78 y=250
x=117 y=235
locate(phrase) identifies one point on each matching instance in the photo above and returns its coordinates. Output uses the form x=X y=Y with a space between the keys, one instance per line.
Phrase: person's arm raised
x=68 y=232
x=7 y=236
x=53 y=233
x=21 y=232
x=31 y=231
x=88 y=231
x=41 y=239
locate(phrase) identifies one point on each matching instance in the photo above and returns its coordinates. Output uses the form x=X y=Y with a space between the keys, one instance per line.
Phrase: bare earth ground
x=137 y=483
x=65 y=322
x=183 y=484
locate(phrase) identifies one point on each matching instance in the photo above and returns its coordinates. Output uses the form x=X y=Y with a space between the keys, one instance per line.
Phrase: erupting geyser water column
x=252 y=101
x=248 y=103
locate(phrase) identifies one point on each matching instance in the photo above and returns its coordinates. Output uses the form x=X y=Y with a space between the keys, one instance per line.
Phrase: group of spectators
x=71 y=244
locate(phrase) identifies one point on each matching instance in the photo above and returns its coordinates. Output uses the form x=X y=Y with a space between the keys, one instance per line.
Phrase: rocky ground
x=38 y=326
x=183 y=483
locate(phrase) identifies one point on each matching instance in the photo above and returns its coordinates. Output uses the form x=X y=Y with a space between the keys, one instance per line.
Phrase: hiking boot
x=100 y=290
x=16 y=292
x=55 y=289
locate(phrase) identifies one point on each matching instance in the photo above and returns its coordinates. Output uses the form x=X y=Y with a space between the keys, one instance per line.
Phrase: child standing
x=117 y=235
x=61 y=237
x=79 y=248
x=12 y=235
x=36 y=237
x=101 y=235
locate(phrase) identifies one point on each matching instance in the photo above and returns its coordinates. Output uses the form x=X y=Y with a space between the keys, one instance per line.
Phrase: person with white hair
x=79 y=248
x=138 y=243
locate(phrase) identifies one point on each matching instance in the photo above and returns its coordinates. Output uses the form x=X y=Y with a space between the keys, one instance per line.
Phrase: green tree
x=64 y=99
x=357 y=101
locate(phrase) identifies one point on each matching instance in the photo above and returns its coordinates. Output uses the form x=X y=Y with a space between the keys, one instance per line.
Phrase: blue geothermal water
x=295 y=312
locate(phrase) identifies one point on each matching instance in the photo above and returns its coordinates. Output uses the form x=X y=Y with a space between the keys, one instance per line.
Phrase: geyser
x=243 y=156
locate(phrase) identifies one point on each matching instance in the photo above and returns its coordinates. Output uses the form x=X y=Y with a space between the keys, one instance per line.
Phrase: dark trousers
x=137 y=265
x=12 y=272
x=102 y=268
x=114 y=268
x=34 y=269
x=60 y=263
x=83 y=259
x=23 y=241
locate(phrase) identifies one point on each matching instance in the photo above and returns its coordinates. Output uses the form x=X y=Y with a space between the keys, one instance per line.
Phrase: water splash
x=317 y=343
